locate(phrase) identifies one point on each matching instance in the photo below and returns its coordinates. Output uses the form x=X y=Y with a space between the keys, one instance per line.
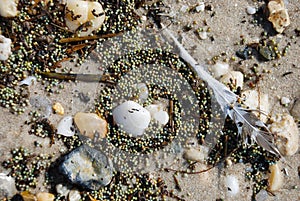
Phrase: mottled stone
x=90 y=123
x=7 y=186
x=278 y=15
x=58 y=108
x=87 y=167
x=43 y=196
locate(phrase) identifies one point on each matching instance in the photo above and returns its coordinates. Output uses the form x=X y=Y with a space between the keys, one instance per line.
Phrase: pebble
x=196 y=154
x=85 y=10
x=87 y=167
x=90 y=123
x=58 y=108
x=7 y=186
x=62 y=190
x=27 y=196
x=203 y=35
x=232 y=185
x=43 y=196
x=157 y=113
x=74 y=195
x=30 y=80
x=132 y=118
x=5 y=46
x=285 y=100
x=65 y=127
x=184 y=8
x=287 y=134
x=257 y=101
x=9 y=8
x=275 y=180
x=235 y=77
x=251 y=10
x=219 y=69
x=279 y=16
x=200 y=7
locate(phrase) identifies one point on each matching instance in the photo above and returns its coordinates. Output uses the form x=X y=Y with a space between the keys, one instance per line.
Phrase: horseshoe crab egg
x=132 y=118
x=84 y=16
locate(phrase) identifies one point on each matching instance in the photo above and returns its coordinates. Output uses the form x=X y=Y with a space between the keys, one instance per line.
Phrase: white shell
x=65 y=126
x=5 y=47
x=219 y=69
x=30 y=80
x=132 y=117
x=157 y=113
x=85 y=10
x=8 y=8
x=232 y=185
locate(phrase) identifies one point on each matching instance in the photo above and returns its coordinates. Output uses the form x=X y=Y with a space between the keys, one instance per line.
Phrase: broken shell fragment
x=157 y=113
x=65 y=127
x=8 y=8
x=5 y=47
x=287 y=134
x=275 y=180
x=278 y=16
x=219 y=69
x=84 y=16
x=132 y=117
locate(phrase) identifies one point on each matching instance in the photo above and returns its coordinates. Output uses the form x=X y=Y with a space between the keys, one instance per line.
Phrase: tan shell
x=278 y=15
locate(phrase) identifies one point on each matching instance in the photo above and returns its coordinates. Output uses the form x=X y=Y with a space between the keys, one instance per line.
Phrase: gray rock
x=87 y=167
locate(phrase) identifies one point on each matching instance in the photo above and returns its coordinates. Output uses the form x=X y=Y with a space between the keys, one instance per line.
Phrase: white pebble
x=196 y=154
x=5 y=47
x=85 y=10
x=219 y=69
x=236 y=76
x=8 y=8
x=203 y=35
x=251 y=10
x=30 y=80
x=65 y=126
x=232 y=185
x=7 y=186
x=132 y=117
x=200 y=7
x=74 y=195
x=62 y=190
x=285 y=100
x=184 y=8
x=157 y=113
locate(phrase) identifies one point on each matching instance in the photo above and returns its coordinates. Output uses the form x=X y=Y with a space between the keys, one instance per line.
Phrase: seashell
x=219 y=69
x=5 y=47
x=278 y=16
x=80 y=12
x=232 y=185
x=132 y=117
x=157 y=113
x=8 y=8
x=30 y=80
x=275 y=180
x=65 y=127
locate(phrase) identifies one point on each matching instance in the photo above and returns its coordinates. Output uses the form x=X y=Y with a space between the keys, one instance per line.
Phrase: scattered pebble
x=200 y=7
x=30 y=80
x=65 y=127
x=157 y=113
x=184 y=8
x=87 y=167
x=5 y=46
x=89 y=12
x=219 y=69
x=58 y=108
x=7 y=186
x=132 y=117
x=62 y=190
x=275 y=180
x=74 y=195
x=43 y=196
x=287 y=134
x=251 y=10
x=196 y=154
x=90 y=123
x=233 y=77
x=232 y=185
x=203 y=35
x=278 y=16
x=285 y=100
x=257 y=101
x=9 y=8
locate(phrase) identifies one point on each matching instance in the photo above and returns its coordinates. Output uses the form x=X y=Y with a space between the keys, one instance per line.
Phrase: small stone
x=88 y=12
x=233 y=77
x=132 y=118
x=285 y=100
x=200 y=7
x=196 y=154
x=5 y=46
x=27 y=196
x=62 y=190
x=65 y=127
x=275 y=180
x=157 y=113
x=232 y=185
x=9 y=8
x=30 y=80
x=203 y=35
x=7 y=186
x=287 y=134
x=184 y=8
x=43 y=196
x=90 y=123
x=74 y=195
x=58 y=108
x=255 y=100
x=87 y=167
x=251 y=10
x=278 y=15
x=219 y=69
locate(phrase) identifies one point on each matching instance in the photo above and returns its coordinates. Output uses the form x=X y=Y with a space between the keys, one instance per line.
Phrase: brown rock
x=90 y=123
x=58 y=108
x=27 y=196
